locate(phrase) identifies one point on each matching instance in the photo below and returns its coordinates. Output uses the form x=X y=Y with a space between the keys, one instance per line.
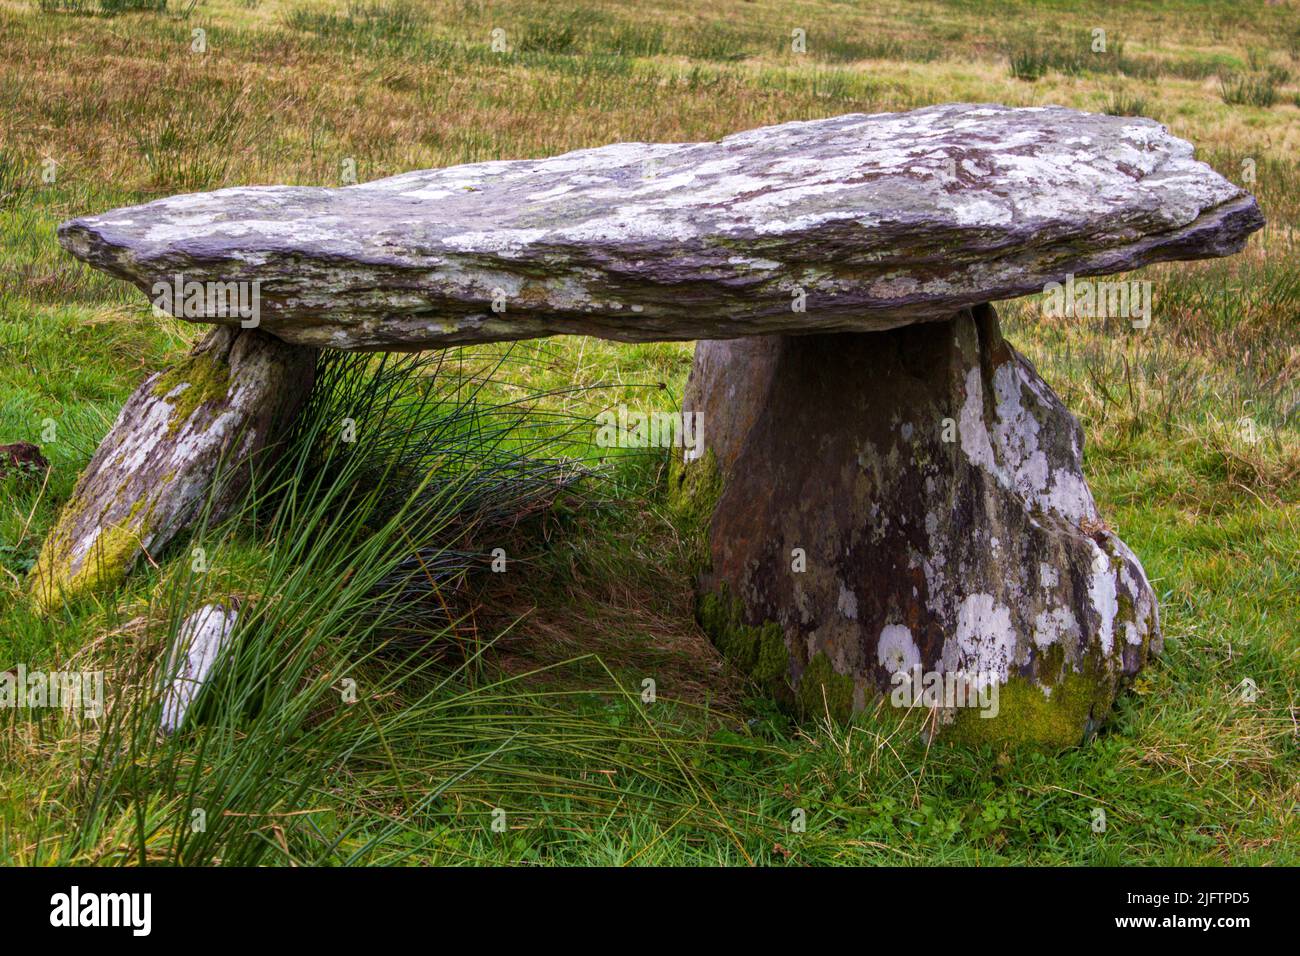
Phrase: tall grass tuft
x=1124 y=103
x=389 y=22
x=1249 y=89
x=106 y=8
x=1028 y=62
x=327 y=735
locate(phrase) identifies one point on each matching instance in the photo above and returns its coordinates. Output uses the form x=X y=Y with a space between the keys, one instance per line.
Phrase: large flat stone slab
x=880 y=221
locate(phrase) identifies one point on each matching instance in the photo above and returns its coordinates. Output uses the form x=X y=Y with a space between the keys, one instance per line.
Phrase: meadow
x=503 y=718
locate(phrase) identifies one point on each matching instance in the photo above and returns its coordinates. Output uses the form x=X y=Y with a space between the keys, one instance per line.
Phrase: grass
x=1123 y=103
x=522 y=692
x=1249 y=89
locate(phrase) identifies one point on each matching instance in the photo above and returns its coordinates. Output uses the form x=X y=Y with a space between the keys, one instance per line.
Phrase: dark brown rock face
x=910 y=501
x=22 y=457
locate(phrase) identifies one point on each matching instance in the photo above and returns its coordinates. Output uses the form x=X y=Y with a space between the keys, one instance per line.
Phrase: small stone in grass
x=24 y=457
x=200 y=641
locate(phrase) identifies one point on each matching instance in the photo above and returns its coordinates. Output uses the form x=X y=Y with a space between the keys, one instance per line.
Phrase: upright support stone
x=887 y=501
x=846 y=538
x=187 y=434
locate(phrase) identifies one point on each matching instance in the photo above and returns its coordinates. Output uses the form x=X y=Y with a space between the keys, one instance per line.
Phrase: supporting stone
x=187 y=435
x=885 y=501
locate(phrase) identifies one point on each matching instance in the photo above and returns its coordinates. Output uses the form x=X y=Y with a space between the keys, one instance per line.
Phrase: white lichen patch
x=970 y=427
x=1139 y=590
x=1104 y=597
x=847 y=603
x=200 y=641
x=1053 y=625
x=896 y=651
x=985 y=639
x=1012 y=452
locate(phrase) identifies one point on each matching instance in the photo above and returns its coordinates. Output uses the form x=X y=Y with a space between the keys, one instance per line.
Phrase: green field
x=500 y=718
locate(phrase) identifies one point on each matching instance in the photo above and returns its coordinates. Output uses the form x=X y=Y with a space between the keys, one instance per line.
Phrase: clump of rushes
x=1250 y=89
x=326 y=735
x=15 y=182
x=473 y=470
x=1027 y=61
x=1123 y=103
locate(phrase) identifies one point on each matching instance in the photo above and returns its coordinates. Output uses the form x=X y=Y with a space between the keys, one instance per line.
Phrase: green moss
x=207 y=380
x=757 y=651
x=1127 y=614
x=52 y=581
x=693 y=492
x=1051 y=663
x=773 y=658
x=694 y=489
x=1081 y=700
x=1027 y=717
x=197 y=380
x=719 y=616
x=823 y=690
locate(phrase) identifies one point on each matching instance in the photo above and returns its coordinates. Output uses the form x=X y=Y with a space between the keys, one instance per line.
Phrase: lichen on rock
x=682 y=241
x=200 y=641
x=185 y=439
x=933 y=484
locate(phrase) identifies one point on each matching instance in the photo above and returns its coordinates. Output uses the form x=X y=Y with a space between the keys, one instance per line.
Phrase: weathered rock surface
x=200 y=641
x=197 y=425
x=881 y=221
x=932 y=483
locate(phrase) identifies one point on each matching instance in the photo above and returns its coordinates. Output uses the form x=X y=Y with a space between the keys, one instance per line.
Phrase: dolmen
x=886 y=490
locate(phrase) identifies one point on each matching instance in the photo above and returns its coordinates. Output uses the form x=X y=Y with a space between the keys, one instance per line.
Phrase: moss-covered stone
x=184 y=435
x=694 y=488
x=195 y=381
x=52 y=580
x=1054 y=718
x=757 y=651
x=1127 y=613
x=822 y=690
x=693 y=491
